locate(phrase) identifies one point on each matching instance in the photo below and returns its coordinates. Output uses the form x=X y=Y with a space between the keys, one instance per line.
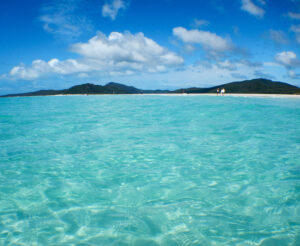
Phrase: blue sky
x=167 y=44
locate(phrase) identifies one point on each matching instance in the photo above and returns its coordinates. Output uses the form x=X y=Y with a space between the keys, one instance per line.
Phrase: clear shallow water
x=149 y=170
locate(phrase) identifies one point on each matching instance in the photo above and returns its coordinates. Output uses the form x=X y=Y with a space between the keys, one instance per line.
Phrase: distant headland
x=254 y=86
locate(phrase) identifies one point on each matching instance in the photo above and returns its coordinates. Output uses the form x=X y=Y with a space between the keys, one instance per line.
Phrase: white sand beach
x=259 y=95
x=191 y=94
x=229 y=94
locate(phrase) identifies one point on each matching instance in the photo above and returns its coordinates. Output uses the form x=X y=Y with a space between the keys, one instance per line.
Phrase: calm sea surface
x=149 y=170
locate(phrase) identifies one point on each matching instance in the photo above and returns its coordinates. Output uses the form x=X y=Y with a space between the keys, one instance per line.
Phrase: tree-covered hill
x=254 y=86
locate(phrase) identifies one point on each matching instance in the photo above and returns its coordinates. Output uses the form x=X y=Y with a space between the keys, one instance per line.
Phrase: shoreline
x=233 y=95
x=180 y=94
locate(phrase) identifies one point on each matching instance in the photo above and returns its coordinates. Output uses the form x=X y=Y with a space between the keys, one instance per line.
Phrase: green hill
x=254 y=86
x=110 y=88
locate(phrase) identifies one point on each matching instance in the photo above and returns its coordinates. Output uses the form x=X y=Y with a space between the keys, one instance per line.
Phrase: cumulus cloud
x=278 y=36
x=127 y=49
x=54 y=66
x=111 y=9
x=118 y=53
x=289 y=60
x=210 y=41
x=251 y=8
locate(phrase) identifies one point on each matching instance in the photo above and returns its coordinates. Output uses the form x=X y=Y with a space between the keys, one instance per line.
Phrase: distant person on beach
x=218 y=91
x=223 y=91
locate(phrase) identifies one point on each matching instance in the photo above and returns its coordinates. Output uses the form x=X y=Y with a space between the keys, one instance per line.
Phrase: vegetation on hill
x=254 y=86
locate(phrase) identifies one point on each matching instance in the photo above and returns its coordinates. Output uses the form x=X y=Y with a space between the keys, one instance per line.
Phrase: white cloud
x=278 y=36
x=262 y=2
x=210 y=41
x=295 y=16
x=287 y=58
x=199 y=23
x=226 y=65
x=83 y=75
x=271 y=64
x=112 y=8
x=58 y=24
x=118 y=53
x=292 y=74
x=234 y=65
x=251 y=63
x=54 y=66
x=63 y=19
x=296 y=30
x=251 y=8
x=119 y=49
x=190 y=48
x=202 y=74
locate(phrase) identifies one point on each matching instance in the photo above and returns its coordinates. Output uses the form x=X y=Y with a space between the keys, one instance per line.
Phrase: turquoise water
x=149 y=170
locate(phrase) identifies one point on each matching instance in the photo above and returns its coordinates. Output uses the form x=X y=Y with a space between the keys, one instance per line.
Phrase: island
x=254 y=86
